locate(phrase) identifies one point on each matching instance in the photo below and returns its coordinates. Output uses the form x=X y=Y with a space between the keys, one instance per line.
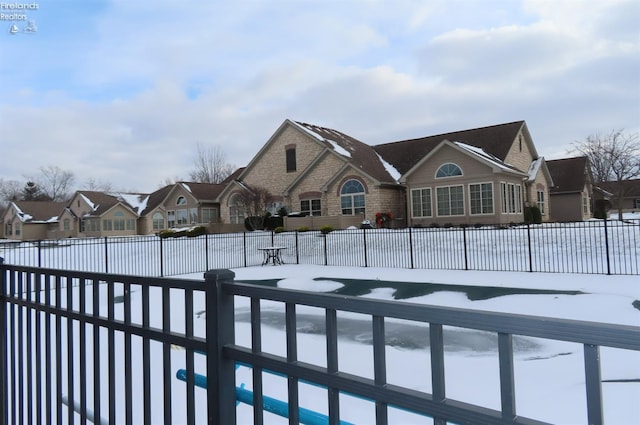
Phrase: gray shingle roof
x=568 y=174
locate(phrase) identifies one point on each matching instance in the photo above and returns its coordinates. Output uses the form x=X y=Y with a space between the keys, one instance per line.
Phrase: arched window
x=448 y=170
x=181 y=201
x=236 y=209
x=352 y=198
x=158 y=221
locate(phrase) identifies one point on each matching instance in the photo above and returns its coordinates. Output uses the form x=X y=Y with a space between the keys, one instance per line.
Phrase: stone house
x=571 y=194
x=320 y=173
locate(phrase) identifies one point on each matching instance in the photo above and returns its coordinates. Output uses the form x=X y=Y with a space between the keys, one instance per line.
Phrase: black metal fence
x=80 y=347
x=596 y=247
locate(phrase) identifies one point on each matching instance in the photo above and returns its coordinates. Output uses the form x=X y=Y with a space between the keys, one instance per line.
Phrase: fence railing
x=595 y=247
x=104 y=348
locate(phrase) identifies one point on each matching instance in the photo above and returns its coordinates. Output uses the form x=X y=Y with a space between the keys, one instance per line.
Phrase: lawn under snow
x=549 y=374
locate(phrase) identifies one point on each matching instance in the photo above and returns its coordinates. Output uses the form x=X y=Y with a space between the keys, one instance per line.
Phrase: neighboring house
x=485 y=175
x=98 y=214
x=572 y=189
x=317 y=172
x=624 y=195
x=33 y=220
x=182 y=204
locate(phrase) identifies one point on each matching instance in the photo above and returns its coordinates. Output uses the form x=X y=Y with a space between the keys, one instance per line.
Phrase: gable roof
x=495 y=140
x=38 y=211
x=208 y=192
x=360 y=155
x=101 y=202
x=630 y=188
x=568 y=174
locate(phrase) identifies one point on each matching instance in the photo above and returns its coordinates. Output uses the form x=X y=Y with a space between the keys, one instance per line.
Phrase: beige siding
x=112 y=215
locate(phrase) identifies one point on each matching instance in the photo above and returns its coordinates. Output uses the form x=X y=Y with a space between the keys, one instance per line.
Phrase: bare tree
x=54 y=182
x=614 y=157
x=10 y=190
x=256 y=202
x=98 y=185
x=210 y=165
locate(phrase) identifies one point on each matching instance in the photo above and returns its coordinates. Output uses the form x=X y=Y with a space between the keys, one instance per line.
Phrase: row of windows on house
x=450 y=200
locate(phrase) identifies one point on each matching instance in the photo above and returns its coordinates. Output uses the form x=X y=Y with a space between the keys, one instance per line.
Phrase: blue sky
x=122 y=92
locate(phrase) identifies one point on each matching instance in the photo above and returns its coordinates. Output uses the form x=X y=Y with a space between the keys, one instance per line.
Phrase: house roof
x=357 y=153
x=102 y=202
x=568 y=174
x=495 y=140
x=207 y=192
x=39 y=211
x=630 y=188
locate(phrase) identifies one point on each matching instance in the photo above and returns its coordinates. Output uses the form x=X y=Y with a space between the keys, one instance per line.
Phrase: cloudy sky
x=122 y=91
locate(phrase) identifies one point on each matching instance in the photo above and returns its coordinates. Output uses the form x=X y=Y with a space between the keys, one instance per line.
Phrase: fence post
x=244 y=247
x=206 y=251
x=411 y=247
x=161 y=257
x=106 y=255
x=297 y=250
x=364 y=242
x=39 y=253
x=324 y=241
x=221 y=385
x=464 y=241
x=4 y=419
x=529 y=243
x=606 y=246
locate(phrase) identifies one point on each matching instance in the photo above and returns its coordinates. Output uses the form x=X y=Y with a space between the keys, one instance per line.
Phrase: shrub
x=326 y=229
x=278 y=229
x=532 y=215
x=255 y=222
x=196 y=231
x=165 y=234
x=477 y=225
x=448 y=225
x=273 y=221
x=434 y=225
x=302 y=229
x=600 y=208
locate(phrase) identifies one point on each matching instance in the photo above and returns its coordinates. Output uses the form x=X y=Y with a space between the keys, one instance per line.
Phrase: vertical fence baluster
x=256 y=347
x=593 y=384
x=292 y=357
x=4 y=395
x=380 y=366
x=331 y=326
x=507 y=386
x=436 y=346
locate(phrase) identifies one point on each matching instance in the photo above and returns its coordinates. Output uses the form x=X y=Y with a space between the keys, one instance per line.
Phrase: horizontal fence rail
x=79 y=346
x=594 y=247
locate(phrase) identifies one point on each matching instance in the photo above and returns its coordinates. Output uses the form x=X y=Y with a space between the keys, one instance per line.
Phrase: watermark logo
x=18 y=16
x=29 y=28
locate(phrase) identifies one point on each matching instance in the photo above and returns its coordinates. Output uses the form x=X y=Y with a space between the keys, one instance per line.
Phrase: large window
x=107 y=224
x=182 y=217
x=209 y=215
x=66 y=224
x=171 y=219
x=181 y=201
x=511 y=198
x=236 y=210
x=118 y=222
x=481 y=198
x=450 y=200
x=311 y=207
x=421 y=202
x=291 y=159
x=540 y=200
x=131 y=224
x=352 y=199
x=448 y=170
x=158 y=221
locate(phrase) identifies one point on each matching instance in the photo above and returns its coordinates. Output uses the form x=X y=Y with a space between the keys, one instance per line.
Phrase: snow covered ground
x=549 y=374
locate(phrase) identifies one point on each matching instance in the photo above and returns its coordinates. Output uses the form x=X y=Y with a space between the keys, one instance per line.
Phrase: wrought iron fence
x=79 y=347
x=596 y=247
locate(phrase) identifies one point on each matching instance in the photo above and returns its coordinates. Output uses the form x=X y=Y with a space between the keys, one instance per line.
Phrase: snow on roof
x=336 y=147
x=137 y=201
x=88 y=201
x=186 y=187
x=393 y=172
x=484 y=155
x=339 y=149
x=534 y=168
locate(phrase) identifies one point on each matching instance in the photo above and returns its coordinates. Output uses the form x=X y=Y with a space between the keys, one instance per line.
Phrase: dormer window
x=448 y=170
x=181 y=201
x=290 y=158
